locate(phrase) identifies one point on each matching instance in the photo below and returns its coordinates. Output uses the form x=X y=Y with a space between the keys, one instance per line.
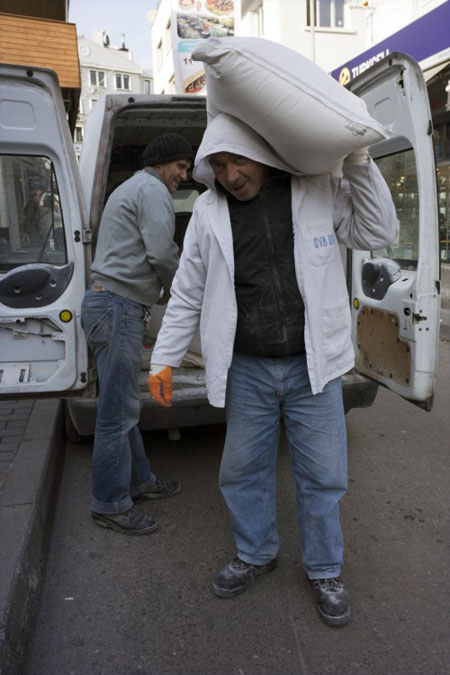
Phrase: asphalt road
x=128 y=606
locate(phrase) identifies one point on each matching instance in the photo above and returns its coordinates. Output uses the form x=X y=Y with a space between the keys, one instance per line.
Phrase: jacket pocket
x=321 y=245
x=336 y=330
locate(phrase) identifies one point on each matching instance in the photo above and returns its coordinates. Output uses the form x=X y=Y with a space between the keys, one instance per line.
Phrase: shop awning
x=432 y=72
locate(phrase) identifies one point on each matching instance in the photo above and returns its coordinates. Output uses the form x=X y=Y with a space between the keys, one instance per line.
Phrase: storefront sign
x=421 y=39
x=193 y=20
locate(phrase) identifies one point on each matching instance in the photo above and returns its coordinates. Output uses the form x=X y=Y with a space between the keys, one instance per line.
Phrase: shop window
x=31 y=229
x=400 y=173
x=327 y=13
x=441 y=140
x=122 y=81
x=443 y=184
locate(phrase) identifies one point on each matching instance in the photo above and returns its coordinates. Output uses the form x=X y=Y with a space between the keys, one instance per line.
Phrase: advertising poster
x=193 y=20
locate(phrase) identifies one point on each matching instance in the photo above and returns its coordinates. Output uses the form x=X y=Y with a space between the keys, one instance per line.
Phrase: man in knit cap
x=135 y=259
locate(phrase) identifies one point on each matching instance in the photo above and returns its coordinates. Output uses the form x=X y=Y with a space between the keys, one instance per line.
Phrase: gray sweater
x=136 y=254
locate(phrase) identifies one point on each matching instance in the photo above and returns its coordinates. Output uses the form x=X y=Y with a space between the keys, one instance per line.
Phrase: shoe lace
x=331 y=585
x=240 y=564
x=130 y=513
x=163 y=485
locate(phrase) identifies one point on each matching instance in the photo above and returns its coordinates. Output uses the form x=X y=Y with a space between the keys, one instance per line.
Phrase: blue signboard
x=422 y=38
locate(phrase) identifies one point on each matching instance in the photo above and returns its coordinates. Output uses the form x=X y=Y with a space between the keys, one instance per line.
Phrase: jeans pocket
x=134 y=311
x=97 y=325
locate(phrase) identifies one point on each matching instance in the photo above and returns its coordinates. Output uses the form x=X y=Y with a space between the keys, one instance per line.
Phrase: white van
x=45 y=261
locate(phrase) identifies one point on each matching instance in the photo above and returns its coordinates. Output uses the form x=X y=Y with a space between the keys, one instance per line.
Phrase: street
x=141 y=605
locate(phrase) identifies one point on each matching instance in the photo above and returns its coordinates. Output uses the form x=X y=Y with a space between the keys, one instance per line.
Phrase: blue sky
x=116 y=17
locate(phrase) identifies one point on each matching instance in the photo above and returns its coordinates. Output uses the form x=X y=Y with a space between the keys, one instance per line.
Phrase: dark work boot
x=238 y=575
x=333 y=602
x=160 y=490
x=132 y=521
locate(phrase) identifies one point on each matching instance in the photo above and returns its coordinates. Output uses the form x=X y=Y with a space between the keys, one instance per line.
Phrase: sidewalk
x=31 y=458
x=445 y=285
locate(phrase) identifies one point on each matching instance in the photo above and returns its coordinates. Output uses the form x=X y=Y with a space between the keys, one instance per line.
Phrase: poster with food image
x=220 y=7
x=193 y=20
x=196 y=26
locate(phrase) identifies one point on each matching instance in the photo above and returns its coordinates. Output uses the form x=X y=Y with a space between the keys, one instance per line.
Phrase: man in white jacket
x=262 y=275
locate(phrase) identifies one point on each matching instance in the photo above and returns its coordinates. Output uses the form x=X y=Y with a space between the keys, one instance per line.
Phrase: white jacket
x=358 y=212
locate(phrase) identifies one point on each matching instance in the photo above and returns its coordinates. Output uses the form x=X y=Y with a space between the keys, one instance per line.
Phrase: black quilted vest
x=271 y=316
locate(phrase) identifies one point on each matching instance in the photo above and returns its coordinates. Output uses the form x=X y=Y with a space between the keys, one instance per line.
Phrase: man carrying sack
x=261 y=274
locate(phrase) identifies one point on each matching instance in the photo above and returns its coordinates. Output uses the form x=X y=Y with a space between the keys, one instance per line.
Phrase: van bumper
x=358 y=391
x=191 y=408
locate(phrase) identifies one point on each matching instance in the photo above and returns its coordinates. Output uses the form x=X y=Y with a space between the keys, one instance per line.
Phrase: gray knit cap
x=167 y=148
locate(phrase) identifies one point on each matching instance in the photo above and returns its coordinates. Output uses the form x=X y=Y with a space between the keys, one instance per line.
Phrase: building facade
x=163 y=63
x=104 y=70
x=38 y=34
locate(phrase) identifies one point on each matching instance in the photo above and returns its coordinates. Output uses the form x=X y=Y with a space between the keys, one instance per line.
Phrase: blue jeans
x=114 y=328
x=259 y=390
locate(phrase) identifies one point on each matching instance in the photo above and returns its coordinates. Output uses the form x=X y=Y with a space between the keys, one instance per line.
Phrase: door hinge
x=418 y=317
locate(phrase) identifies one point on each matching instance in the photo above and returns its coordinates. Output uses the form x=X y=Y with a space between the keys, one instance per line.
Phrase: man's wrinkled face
x=173 y=173
x=241 y=176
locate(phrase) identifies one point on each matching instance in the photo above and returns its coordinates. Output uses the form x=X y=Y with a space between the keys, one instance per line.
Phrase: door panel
x=42 y=255
x=395 y=291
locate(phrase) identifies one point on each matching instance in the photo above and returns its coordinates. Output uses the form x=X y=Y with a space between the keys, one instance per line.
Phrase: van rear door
x=395 y=291
x=42 y=250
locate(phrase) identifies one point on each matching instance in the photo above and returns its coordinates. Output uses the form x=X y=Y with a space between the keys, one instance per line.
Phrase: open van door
x=42 y=251
x=396 y=291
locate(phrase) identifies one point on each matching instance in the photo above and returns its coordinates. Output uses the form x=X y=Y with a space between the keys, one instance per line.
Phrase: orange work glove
x=160 y=384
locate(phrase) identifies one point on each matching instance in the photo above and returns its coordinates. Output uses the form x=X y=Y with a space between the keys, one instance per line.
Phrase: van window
x=184 y=199
x=31 y=221
x=399 y=171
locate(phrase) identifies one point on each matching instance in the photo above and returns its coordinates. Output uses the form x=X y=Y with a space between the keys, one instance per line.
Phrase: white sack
x=309 y=119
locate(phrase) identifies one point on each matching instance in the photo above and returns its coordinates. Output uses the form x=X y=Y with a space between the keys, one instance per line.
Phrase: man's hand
x=160 y=384
x=359 y=156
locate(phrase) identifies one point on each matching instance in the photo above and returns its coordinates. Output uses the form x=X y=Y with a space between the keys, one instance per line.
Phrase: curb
x=445 y=285
x=26 y=514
